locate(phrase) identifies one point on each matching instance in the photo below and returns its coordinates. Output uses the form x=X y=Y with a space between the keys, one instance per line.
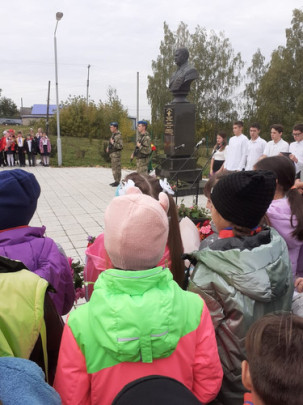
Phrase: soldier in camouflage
x=143 y=148
x=114 y=149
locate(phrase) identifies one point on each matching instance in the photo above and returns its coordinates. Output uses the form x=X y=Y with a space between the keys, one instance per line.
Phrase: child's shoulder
x=248 y=399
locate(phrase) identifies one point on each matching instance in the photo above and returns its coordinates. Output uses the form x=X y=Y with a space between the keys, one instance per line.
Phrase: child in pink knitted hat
x=97 y=259
x=138 y=321
x=136 y=238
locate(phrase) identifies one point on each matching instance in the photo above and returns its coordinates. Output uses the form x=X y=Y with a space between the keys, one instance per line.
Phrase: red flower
x=204 y=229
x=79 y=293
x=70 y=261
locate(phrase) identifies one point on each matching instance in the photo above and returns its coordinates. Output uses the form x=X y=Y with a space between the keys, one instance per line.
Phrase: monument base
x=191 y=176
x=191 y=190
x=179 y=129
x=182 y=173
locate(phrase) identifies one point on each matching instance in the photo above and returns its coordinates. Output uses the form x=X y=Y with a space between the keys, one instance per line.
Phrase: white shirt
x=29 y=144
x=296 y=148
x=273 y=149
x=236 y=154
x=255 y=150
x=220 y=155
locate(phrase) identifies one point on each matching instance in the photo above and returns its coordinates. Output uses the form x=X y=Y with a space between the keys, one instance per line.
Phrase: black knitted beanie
x=244 y=197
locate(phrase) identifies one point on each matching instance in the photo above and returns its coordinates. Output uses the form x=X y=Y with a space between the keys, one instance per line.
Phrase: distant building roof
x=41 y=109
x=25 y=110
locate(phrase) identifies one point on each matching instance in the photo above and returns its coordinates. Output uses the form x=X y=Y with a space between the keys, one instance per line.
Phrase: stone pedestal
x=184 y=169
x=179 y=121
x=179 y=130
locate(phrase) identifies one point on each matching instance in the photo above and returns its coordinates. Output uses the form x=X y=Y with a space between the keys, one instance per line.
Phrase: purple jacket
x=279 y=215
x=41 y=255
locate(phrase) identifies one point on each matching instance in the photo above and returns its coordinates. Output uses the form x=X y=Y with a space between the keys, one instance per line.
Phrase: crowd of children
x=14 y=149
x=224 y=339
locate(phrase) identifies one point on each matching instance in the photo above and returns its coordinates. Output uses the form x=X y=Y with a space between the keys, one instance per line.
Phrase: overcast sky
x=118 y=39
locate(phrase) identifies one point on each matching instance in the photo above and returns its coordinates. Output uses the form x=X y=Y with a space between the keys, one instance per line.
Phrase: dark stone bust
x=179 y=83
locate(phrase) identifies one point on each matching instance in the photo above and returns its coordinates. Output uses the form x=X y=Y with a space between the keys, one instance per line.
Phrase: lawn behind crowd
x=83 y=152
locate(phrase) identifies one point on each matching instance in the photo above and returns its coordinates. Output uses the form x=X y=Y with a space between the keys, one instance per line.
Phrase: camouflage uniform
x=114 y=151
x=143 y=153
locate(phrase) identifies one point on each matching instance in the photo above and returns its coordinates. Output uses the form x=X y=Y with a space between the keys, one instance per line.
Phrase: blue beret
x=113 y=124
x=143 y=123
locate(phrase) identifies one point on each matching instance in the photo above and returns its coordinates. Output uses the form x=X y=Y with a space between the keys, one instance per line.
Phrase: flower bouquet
x=194 y=212
x=204 y=229
x=77 y=273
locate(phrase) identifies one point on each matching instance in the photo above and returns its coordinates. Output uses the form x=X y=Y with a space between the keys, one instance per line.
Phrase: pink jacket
x=195 y=363
x=49 y=148
x=97 y=260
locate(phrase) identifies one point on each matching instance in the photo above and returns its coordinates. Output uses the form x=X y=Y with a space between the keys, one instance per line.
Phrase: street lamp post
x=59 y=15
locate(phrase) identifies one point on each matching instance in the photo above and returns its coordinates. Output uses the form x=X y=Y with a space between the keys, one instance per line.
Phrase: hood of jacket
x=21 y=234
x=280 y=208
x=134 y=316
x=42 y=256
x=22 y=382
x=23 y=309
x=279 y=214
x=251 y=266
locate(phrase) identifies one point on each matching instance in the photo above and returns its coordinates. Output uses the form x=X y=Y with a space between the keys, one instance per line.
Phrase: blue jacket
x=22 y=382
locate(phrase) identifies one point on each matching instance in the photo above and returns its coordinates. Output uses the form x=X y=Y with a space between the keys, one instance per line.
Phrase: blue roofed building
x=37 y=112
x=41 y=109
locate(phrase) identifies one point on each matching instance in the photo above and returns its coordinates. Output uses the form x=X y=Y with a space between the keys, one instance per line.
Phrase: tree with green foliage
x=280 y=95
x=219 y=70
x=254 y=74
x=79 y=119
x=219 y=77
x=157 y=92
x=8 y=108
x=113 y=110
x=74 y=117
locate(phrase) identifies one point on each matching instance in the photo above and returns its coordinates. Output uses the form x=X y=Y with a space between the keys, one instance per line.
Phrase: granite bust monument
x=179 y=83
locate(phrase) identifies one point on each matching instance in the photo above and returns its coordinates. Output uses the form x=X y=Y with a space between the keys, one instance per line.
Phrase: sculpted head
x=181 y=56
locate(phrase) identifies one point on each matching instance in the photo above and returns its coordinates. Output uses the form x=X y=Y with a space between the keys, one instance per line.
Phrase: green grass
x=82 y=152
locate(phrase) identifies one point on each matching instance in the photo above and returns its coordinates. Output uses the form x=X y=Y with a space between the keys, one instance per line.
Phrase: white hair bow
x=124 y=186
x=166 y=186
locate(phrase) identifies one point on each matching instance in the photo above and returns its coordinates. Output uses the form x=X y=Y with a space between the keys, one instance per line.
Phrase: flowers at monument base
x=90 y=240
x=204 y=229
x=76 y=269
x=79 y=293
x=193 y=212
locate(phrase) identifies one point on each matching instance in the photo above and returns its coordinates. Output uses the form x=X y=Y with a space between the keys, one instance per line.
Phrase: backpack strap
x=44 y=348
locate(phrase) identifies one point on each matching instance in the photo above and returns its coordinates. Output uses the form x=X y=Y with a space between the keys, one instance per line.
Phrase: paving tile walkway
x=72 y=204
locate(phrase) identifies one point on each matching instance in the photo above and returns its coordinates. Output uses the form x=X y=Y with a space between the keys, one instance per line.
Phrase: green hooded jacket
x=133 y=316
x=240 y=280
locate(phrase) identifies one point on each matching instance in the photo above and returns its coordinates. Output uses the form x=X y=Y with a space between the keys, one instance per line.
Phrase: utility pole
x=47 y=109
x=137 y=135
x=59 y=15
x=87 y=86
